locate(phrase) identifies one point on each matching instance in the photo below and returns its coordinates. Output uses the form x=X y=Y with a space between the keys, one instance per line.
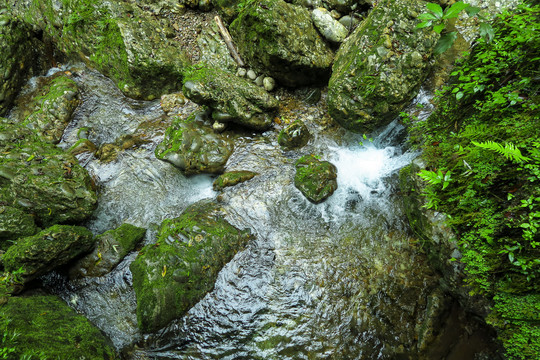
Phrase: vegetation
x=482 y=153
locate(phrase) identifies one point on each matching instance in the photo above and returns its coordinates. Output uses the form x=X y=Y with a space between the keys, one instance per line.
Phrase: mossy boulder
x=14 y=223
x=41 y=179
x=378 y=70
x=315 y=179
x=232 y=178
x=279 y=39
x=117 y=38
x=194 y=147
x=293 y=136
x=47 y=250
x=47 y=328
x=111 y=248
x=19 y=58
x=171 y=276
x=231 y=98
x=48 y=110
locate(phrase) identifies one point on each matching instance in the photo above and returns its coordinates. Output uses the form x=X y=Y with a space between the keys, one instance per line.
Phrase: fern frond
x=508 y=150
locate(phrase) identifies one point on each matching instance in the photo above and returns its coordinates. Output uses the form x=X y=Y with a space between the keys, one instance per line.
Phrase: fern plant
x=508 y=150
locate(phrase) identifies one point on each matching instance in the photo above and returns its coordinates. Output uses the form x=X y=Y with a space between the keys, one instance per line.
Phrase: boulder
x=295 y=135
x=214 y=52
x=279 y=39
x=111 y=248
x=48 y=110
x=42 y=179
x=45 y=327
x=378 y=70
x=231 y=98
x=171 y=276
x=315 y=179
x=14 y=223
x=41 y=253
x=18 y=58
x=115 y=37
x=232 y=178
x=194 y=147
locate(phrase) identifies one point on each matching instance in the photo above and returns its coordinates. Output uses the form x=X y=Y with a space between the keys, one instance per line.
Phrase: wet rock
x=232 y=178
x=41 y=179
x=172 y=275
x=19 y=58
x=117 y=38
x=315 y=179
x=380 y=67
x=173 y=103
x=279 y=39
x=50 y=107
x=194 y=148
x=111 y=248
x=231 y=98
x=331 y=29
x=14 y=224
x=82 y=146
x=47 y=326
x=39 y=254
x=345 y=6
x=214 y=52
x=294 y=136
x=108 y=152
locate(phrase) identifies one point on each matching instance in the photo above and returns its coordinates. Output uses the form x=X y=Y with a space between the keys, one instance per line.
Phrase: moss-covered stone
x=14 y=223
x=232 y=178
x=380 y=67
x=38 y=254
x=296 y=135
x=117 y=38
x=111 y=248
x=172 y=275
x=194 y=147
x=231 y=98
x=315 y=179
x=279 y=39
x=47 y=328
x=48 y=110
x=19 y=58
x=41 y=179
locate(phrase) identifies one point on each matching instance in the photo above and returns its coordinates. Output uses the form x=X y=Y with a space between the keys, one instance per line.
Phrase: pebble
x=330 y=28
x=259 y=80
x=241 y=72
x=269 y=83
x=251 y=74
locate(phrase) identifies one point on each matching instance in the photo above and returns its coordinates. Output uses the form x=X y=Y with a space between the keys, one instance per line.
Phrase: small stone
x=336 y=15
x=251 y=74
x=259 y=80
x=269 y=83
x=330 y=28
x=350 y=22
x=218 y=126
x=241 y=72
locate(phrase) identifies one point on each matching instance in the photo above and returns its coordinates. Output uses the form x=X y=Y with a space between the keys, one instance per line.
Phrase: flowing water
x=337 y=280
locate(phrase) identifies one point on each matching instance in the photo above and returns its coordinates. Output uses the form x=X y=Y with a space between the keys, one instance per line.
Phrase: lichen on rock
x=315 y=179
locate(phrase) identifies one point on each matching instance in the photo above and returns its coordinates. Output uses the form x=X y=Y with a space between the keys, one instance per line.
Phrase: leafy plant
x=508 y=150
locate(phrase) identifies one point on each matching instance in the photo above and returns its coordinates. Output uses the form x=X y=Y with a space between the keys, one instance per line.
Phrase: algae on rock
x=171 y=276
x=315 y=179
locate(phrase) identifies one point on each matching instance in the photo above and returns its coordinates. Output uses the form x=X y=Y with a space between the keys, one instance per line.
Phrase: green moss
x=44 y=327
x=232 y=178
x=315 y=179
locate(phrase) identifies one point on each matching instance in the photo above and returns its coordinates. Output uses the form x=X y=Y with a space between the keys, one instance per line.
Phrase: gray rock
x=269 y=84
x=279 y=39
x=350 y=22
x=251 y=74
x=330 y=28
x=294 y=136
x=259 y=80
x=380 y=67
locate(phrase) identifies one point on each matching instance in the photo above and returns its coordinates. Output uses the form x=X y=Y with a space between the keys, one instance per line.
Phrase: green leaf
x=427 y=16
x=459 y=95
x=438 y=28
x=472 y=10
x=486 y=31
x=454 y=10
x=424 y=24
x=445 y=42
x=509 y=150
x=436 y=9
x=511 y=257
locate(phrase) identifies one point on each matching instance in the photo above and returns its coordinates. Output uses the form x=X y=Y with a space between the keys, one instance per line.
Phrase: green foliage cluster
x=482 y=151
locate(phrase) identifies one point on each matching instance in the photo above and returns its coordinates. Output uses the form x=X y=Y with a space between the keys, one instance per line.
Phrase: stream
x=339 y=280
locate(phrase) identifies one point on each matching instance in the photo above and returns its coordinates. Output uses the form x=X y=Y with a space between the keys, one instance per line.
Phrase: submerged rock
x=172 y=275
x=232 y=178
x=49 y=110
x=18 y=58
x=117 y=38
x=231 y=98
x=194 y=147
x=315 y=179
x=47 y=326
x=111 y=248
x=41 y=179
x=380 y=67
x=39 y=254
x=279 y=39
x=294 y=136
x=14 y=223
